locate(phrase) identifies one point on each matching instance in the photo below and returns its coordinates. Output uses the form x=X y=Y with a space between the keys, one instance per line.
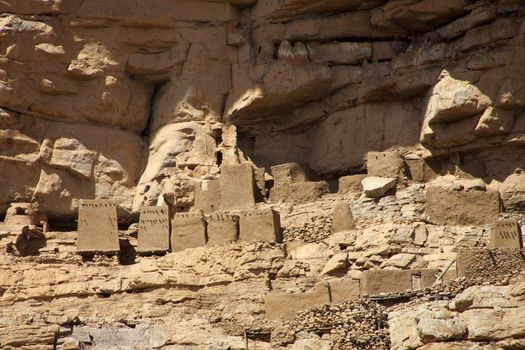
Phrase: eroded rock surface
x=331 y=171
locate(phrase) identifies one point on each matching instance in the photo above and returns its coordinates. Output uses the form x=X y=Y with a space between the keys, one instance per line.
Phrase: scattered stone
x=343 y=220
x=375 y=187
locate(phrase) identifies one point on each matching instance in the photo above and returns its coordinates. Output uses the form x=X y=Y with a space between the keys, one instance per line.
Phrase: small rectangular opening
x=416 y=281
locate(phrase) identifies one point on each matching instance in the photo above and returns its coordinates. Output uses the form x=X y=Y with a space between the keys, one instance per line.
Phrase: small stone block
x=285 y=306
x=393 y=281
x=290 y=173
x=385 y=164
x=344 y=289
x=342 y=218
x=351 y=184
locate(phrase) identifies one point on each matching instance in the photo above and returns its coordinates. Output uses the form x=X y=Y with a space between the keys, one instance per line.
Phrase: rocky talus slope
x=383 y=138
x=220 y=297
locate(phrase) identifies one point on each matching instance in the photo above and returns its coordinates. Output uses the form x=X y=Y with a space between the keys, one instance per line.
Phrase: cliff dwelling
x=262 y=174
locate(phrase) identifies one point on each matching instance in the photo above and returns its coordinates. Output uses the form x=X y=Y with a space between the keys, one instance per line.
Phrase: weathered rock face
x=324 y=166
x=129 y=101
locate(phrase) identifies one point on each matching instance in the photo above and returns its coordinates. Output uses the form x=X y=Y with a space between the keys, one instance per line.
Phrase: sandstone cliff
x=387 y=134
x=133 y=101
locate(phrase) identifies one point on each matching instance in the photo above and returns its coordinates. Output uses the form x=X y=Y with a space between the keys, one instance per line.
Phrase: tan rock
x=490 y=324
x=420 y=234
x=161 y=13
x=495 y=121
x=336 y=265
x=375 y=187
x=401 y=260
x=283 y=85
x=342 y=218
x=435 y=330
x=351 y=184
x=340 y=53
x=454 y=99
x=351 y=132
x=308 y=251
x=410 y=15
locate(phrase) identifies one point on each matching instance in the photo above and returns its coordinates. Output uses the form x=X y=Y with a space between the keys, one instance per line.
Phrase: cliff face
x=134 y=100
x=353 y=159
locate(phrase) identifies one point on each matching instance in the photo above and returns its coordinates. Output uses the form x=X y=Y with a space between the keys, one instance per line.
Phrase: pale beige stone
x=342 y=218
x=375 y=187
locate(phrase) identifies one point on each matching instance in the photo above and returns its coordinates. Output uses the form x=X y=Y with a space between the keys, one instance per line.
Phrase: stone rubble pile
x=489 y=264
x=352 y=325
x=317 y=229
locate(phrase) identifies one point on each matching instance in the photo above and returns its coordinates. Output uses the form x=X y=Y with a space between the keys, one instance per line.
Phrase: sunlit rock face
x=262 y=174
x=140 y=102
